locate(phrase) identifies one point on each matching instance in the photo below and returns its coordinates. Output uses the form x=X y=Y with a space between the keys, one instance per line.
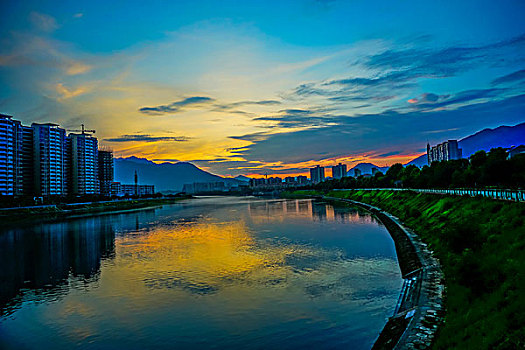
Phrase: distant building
x=257 y=182
x=301 y=179
x=83 y=150
x=136 y=190
x=204 y=187
x=317 y=174
x=50 y=161
x=447 y=150
x=132 y=189
x=289 y=180
x=274 y=181
x=357 y=172
x=106 y=172
x=115 y=188
x=513 y=151
x=374 y=171
x=339 y=171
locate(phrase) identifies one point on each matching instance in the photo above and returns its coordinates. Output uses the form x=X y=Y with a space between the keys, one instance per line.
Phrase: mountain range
x=366 y=168
x=172 y=176
x=165 y=176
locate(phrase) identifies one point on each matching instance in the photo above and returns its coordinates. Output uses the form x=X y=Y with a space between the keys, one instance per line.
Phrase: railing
x=494 y=193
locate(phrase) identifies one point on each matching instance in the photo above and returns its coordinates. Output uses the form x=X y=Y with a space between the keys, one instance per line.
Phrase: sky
x=265 y=87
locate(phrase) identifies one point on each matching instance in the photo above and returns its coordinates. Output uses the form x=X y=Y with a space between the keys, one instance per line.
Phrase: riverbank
x=480 y=244
x=419 y=309
x=59 y=211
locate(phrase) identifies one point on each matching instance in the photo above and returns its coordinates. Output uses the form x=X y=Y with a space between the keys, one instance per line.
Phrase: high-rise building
x=83 y=150
x=289 y=180
x=50 y=166
x=105 y=171
x=339 y=171
x=447 y=150
x=7 y=155
x=23 y=160
x=357 y=172
x=301 y=179
x=317 y=174
x=16 y=150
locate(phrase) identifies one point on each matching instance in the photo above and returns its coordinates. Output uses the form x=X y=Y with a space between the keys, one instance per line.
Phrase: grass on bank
x=15 y=216
x=481 y=245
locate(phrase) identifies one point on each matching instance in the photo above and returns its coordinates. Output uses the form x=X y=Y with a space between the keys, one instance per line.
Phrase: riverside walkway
x=502 y=194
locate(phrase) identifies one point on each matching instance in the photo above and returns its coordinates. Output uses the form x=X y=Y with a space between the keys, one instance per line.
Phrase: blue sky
x=259 y=87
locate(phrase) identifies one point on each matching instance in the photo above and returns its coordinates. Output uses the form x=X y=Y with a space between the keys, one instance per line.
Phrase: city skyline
x=255 y=88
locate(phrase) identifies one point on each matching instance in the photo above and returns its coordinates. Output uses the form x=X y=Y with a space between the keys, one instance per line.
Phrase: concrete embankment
x=420 y=308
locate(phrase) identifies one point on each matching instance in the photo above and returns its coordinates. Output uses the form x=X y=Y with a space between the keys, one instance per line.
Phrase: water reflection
x=44 y=257
x=223 y=273
x=308 y=209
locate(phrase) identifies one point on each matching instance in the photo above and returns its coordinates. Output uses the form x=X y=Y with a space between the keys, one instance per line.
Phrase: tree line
x=482 y=169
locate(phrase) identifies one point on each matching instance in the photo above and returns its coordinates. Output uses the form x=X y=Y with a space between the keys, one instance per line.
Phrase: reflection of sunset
x=199 y=257
x=228 y=274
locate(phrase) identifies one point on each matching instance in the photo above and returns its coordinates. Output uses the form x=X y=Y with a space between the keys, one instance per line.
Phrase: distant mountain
x=419 y=161
x=166 y=176
x=366 y=168
x=242 y=178
x=502 y=136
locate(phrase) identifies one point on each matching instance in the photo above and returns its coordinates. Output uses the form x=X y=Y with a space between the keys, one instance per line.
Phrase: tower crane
x=83 y=131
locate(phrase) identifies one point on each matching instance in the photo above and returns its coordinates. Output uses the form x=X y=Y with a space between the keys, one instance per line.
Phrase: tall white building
x=7 y=155
x=339 y=171
x=317 y=174
x=15 y=157
x=83 y=151
x=445 y=151
x=50 y=160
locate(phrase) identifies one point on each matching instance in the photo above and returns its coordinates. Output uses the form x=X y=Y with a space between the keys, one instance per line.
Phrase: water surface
x=219 y=273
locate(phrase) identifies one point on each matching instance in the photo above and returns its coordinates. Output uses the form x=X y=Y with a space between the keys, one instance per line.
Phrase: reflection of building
x=339 y=171
x=317 y=174
x=47 y=255
x=49 y=159
x=447 y=150
x=105 y=172
x=83 y=150
x=319 y=211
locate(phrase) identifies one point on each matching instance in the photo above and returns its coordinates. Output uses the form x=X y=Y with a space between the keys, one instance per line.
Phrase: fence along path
x=504 y=194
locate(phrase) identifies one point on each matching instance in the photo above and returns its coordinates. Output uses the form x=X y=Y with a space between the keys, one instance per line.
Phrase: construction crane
x=83 y=131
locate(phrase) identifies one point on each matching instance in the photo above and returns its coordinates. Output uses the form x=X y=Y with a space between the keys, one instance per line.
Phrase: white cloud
x=43 y=22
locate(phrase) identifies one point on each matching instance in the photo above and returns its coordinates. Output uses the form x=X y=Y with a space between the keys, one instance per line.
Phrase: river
x=219 y=273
